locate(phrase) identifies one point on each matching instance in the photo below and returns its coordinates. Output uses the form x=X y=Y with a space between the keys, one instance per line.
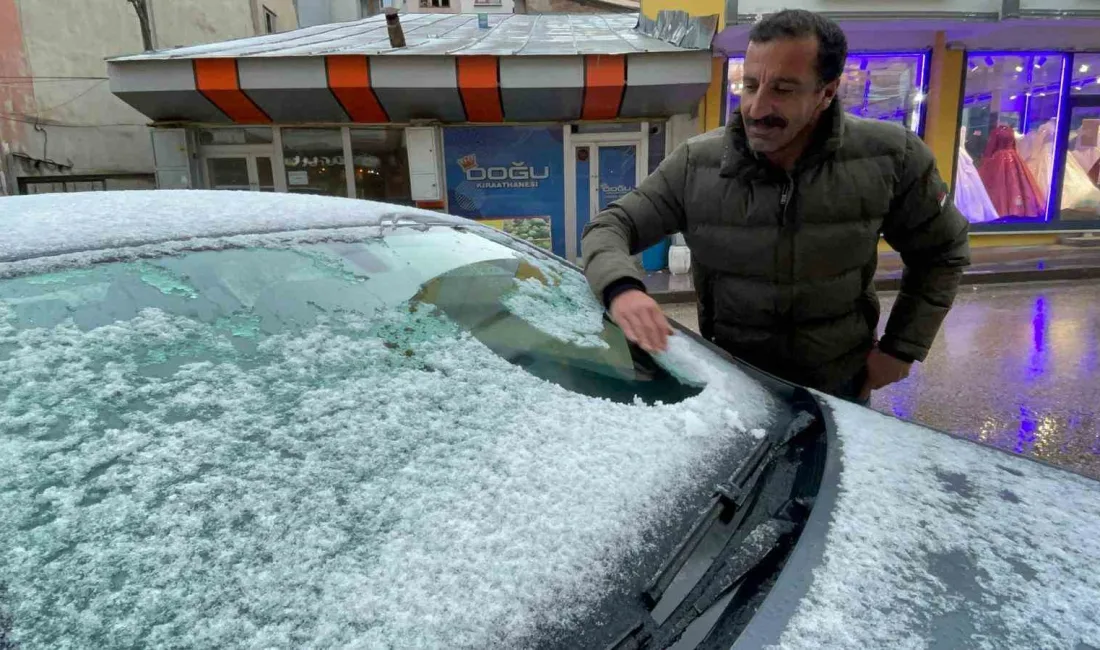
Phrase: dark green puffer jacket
x=784 y=263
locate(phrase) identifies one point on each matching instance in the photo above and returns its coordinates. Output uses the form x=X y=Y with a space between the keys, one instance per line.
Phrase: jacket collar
x=738 y=158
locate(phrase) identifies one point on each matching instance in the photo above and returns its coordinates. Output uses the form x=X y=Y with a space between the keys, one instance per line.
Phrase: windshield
x=416 y=438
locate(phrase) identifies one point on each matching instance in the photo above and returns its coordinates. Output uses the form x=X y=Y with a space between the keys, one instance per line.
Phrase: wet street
x=1016 y=366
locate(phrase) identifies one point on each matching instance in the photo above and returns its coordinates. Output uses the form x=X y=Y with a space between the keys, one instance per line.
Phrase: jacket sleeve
x=931 y=236
x=634 y=223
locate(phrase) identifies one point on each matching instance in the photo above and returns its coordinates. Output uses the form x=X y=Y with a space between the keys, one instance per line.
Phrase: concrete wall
x=345 y=10
x=413 y=7
x=190 y=22
x=322 y=12
x=81 y=125
x=16 y=91
x=496 y=7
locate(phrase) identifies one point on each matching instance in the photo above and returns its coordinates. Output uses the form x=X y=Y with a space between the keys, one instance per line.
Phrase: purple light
x=1018 y=53
x=1064 y=80
x=1025 y=438
x=1037 y=363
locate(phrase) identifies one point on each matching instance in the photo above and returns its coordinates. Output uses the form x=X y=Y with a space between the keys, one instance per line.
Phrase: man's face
x=782 y=94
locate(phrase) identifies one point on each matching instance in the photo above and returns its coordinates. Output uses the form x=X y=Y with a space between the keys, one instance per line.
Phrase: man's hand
x=883 y=370
x=642 y=320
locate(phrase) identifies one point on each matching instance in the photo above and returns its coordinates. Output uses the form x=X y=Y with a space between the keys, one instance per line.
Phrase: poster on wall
x=511 y=178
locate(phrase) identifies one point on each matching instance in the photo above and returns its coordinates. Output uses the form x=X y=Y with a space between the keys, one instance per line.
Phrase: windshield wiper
x=731 y=549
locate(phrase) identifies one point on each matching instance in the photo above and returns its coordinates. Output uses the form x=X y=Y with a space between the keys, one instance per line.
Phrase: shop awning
x=521 y=68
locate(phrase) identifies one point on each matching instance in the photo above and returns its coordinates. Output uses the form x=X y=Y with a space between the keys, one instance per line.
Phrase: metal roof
x=444 y=35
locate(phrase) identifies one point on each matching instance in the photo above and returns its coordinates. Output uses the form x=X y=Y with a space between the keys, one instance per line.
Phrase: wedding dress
x=1011 y=185
x=1078 y=191
x=971 y=197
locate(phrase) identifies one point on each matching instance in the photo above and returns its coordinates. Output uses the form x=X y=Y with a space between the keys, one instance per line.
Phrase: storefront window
x=234 y=135
x=1009 y=127
x=314 y=161
x=1081 y=175
x=878 y=86
x=381 y=162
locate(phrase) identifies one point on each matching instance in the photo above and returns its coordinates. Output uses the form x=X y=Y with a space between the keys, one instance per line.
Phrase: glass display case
x=1009 y=126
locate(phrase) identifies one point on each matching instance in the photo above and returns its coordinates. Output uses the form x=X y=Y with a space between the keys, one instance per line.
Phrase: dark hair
x=832 y=45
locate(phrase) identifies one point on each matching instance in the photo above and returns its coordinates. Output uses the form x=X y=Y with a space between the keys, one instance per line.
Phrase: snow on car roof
x=940 y=543
x=55 y=224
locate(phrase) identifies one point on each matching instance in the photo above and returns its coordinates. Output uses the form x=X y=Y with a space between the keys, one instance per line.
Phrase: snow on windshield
x=940 y=543
x=559 y=303
x=373 y=479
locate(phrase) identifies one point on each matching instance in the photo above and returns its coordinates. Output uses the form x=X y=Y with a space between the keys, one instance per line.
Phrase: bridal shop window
x=1081 y=175
x=881 y=86
x=1009 y=122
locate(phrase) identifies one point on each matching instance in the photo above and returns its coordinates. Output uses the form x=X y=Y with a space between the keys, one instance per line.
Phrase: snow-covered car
x=244 y=420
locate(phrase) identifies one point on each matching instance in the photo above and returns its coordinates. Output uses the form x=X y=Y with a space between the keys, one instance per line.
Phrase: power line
x=71 y=99
x=52 y=78
x=14 y=118
x=39 y=115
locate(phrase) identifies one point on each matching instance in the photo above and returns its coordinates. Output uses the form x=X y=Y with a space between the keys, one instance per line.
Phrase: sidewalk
x=988 y=265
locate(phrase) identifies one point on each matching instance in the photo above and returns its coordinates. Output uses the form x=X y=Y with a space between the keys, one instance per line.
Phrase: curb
x=968 y=279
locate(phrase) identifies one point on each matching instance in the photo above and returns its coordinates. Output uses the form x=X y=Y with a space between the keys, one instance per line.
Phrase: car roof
x=56 y=224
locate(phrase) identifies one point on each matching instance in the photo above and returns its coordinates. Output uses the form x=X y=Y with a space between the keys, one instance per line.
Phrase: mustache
x=768 y=121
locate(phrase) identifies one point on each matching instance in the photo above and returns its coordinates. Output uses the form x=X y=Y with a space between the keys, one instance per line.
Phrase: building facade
x=532 y=123
x=61 y=129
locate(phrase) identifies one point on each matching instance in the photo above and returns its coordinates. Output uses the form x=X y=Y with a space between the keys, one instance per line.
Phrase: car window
x=531 y=311
x=425 y=438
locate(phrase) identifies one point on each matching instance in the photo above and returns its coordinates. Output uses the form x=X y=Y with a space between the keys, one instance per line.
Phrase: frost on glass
x=309 y=447
x=559 y=302
x=939 y=543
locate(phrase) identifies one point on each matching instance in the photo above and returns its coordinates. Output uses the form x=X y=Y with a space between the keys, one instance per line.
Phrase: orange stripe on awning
x=604 y=83
x=479 y=85
x=218 y=81
x=349 y=80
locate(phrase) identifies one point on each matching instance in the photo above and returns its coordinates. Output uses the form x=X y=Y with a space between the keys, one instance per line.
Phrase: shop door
x=604 y=173
x=243 y=172
x=1081 y=176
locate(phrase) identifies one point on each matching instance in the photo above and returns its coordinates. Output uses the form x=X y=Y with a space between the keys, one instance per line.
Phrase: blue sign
x=510 y=176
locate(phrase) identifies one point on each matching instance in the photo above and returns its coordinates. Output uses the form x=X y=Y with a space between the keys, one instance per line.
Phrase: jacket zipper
x=784 y=203
x=785 y=198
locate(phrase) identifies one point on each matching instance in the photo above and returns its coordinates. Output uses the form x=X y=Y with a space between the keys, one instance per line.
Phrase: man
x=782 y=211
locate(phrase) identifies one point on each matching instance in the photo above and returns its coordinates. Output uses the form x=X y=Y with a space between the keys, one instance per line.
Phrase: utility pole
x=142 y=10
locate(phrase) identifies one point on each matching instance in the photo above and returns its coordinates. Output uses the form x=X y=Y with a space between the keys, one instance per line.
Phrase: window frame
x=271 y=21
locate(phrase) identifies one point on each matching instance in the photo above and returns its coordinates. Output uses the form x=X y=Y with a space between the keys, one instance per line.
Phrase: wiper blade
x=754 y=551
x=720 y=567
x=718 y=523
